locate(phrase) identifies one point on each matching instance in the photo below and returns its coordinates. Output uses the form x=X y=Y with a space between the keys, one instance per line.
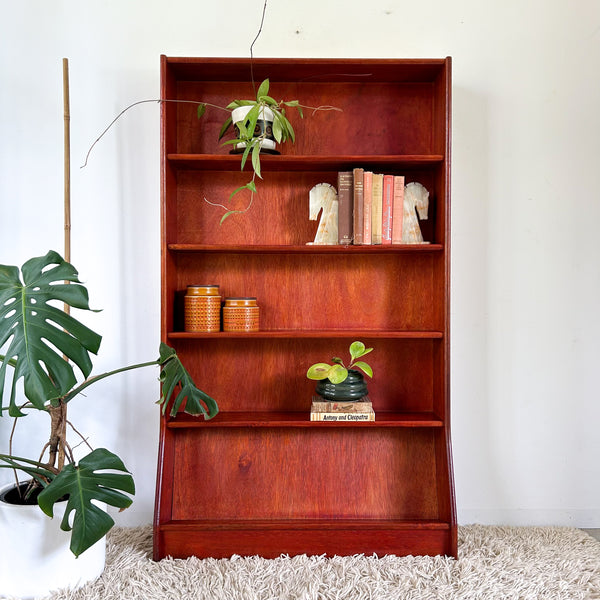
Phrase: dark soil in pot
x=24 y=495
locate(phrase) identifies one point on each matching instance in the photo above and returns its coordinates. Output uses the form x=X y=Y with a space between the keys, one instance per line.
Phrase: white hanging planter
x=264 y=125
x=34 y=552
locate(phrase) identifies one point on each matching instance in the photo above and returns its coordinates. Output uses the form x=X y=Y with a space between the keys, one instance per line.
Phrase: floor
x=595 y=533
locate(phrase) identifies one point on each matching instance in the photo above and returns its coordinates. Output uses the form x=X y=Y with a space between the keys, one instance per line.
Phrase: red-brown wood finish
x=260 y=478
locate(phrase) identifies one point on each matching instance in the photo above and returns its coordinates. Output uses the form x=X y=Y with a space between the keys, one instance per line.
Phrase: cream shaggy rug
x=495 y=562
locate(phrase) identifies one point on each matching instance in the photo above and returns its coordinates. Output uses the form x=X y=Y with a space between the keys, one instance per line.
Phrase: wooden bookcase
x=260 y=478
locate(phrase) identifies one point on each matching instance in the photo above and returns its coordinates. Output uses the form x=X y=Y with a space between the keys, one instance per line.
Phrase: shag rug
x=494 y=562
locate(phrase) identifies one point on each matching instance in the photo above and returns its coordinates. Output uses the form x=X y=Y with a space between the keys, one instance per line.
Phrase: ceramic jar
x=240 y=314
x=202 y=308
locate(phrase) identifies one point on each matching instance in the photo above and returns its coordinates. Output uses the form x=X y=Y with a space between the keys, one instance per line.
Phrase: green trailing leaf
x=93 y=478
x=225 y=127
x=250 y=145
x=248 y=186
x=256 y=160
x=227 y=215
x=250 y=123
x=39 y=334
x=201 y=110
x=263 y=89
x=175 y=378
x=277 y=130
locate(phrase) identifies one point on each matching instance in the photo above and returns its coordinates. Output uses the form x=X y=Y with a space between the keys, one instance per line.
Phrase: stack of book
x=361 y=410
x=371 y=207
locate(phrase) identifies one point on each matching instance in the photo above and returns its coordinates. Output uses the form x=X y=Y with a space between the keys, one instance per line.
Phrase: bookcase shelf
x=261 y=478
x=306 y=249
x=226 y=162
x=306 y=333
x=301 y=419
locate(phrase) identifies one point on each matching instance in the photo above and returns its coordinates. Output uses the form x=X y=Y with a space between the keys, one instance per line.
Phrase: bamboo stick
x=67 y=161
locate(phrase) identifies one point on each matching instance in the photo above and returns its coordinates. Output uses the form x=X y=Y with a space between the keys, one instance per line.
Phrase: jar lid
x=240 y=301
x=203 y=290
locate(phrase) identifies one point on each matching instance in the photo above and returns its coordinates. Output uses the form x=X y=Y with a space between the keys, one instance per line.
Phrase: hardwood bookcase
x=261 y=478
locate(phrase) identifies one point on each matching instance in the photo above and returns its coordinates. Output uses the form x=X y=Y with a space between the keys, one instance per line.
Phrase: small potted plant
x=338 y=382
x=40 y=343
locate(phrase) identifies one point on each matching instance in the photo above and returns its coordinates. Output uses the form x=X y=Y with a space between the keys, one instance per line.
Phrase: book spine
x=386 y=215
x=345 y=207
x=398 y=209
x=367 y=204
x=353 y=417
x=377 y=207
x=358 y=205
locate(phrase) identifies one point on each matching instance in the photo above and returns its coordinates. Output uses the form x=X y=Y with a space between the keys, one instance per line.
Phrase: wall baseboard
x=584 y=519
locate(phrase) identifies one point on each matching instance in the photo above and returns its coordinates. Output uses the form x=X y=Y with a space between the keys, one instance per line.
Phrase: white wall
x=526 y=264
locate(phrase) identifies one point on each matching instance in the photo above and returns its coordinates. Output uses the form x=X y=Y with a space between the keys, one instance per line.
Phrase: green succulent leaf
x=338 y=360
x=318 y=371
x=363 y=366
x=93 y=478
x=337 y=374
x=39 y=334
x=174 y=377
x=357 y=349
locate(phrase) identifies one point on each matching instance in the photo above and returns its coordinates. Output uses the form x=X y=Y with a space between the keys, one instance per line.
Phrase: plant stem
x=70 y=395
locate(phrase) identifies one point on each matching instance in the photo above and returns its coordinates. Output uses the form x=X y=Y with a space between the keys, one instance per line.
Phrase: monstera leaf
x=39 y=334
x=175 y=378
x=93 y=478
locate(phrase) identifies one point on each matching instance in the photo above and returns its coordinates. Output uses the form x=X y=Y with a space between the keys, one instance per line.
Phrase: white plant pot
x=34 y=553
x=239 y=114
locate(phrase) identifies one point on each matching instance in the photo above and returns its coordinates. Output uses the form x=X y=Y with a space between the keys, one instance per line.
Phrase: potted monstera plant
x=45 y=364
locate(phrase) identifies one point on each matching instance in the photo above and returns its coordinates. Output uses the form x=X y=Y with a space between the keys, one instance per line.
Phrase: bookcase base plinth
x=272 y=539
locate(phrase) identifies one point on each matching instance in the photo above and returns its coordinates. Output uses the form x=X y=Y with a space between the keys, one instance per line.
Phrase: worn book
x=358 y=205
x=386 y=213
x=341 y=406
x=376 y=209
x=367 y=203
x=398 y=209
x=345 y=207
x=335 y=416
